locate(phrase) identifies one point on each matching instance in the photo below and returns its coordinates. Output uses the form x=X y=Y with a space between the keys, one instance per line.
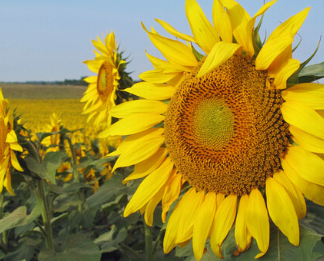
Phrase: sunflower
x=223 y=128
x=101 y=93
x=53 y=141
x=8 y=145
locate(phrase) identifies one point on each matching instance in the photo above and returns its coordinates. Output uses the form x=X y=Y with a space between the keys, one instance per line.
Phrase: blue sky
x=47 y=40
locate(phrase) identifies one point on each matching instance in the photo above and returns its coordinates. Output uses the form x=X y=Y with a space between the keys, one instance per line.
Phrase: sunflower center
x=225 y=131
x=105 y=81
x=213 y=123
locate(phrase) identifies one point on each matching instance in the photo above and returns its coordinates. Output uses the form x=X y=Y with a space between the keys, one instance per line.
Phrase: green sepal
x=256 y=40
x=295 y=78
x=198 y=55
x=311 y=73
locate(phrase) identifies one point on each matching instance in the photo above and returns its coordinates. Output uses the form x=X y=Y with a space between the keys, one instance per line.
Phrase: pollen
x=225 y=131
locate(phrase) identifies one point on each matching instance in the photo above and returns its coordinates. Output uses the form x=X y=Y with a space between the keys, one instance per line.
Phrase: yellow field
x=36 y=113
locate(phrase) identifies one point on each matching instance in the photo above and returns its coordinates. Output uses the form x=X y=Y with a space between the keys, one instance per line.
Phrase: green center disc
x=213 y=123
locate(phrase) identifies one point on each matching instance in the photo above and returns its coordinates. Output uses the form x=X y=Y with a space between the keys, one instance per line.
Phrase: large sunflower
x=8 y=144
x=224 y=127
x=101 y=93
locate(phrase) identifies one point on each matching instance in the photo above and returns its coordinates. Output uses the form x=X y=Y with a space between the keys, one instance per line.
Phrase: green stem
x=76 y=176
x=4 y=234
x=148 y=242
x=46 y=215
x=74 y=163
x=158 y=241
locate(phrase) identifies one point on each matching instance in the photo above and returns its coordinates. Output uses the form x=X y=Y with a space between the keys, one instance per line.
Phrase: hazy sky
x=45 y=40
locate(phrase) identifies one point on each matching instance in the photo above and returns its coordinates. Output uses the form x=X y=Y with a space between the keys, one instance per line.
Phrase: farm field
x=37 y=103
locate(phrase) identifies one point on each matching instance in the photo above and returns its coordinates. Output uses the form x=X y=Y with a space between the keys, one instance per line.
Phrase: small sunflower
x=224 y=128
x=8 y=145
x=54 y=140
x=101 y=95
x=64 y=167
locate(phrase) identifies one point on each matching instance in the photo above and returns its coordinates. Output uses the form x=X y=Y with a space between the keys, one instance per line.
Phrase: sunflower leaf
x=19 y=218
x=311 y=73
x=73 y=248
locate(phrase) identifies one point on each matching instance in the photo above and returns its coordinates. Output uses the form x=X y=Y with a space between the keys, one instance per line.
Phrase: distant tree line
x=65 y=82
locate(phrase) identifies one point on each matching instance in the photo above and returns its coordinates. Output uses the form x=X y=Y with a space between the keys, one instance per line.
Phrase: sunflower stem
x=4 y=234
x=148 y=242
x=46 y=215
x=74 y=162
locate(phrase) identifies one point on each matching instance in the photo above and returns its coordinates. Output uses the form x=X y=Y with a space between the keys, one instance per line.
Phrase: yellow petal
x=162 y=65
x=202 y=224
x=142 y=152
x=219 y=54
x=202 y=29
x=156 y=76
x=247 y=32
x=242 y=235
x=138 y=106
x=282 y=75
x=11 y=137
x=170 y=236
x=282 y=210
x=175 y=52
x=303 y=117
x=291 y=26
x=223 y=221
x=222 y=22
x=132 y=124
x=308 y=165
x=297 y=198
x=7 y=183
x=151 y=205
x=147 y=166
x=91 y=79
x=171 y=193
x=14 y=161
x=149 y=187
x=152 y=91
x=136 y=139
x=306 y=140
x=239 y=21
x=257 y=221
x=312 y=94
x=311 y=191
x=93 y=65
x=194 y=200
x=270 y=51
x=174 y=32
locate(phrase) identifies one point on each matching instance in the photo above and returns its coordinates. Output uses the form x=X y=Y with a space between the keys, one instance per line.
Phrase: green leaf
x=19 y=218
x=112 y=187
x=74 y=248
x=112 y=244
x=24 y=251
x=106 y=236
x=311 y=73
x=74 y=187
x=36 y=167
x=99 y=162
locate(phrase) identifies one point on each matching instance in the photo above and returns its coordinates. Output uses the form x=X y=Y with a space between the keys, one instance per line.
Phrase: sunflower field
x=215 y=154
